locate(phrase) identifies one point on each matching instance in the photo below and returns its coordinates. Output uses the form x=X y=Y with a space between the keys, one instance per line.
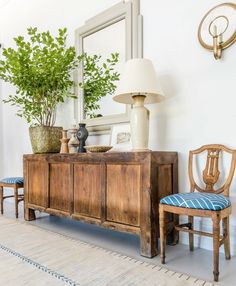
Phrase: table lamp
x=138 y=86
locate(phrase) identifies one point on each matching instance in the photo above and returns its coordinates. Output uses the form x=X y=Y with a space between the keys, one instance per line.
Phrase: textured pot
x=45 y=139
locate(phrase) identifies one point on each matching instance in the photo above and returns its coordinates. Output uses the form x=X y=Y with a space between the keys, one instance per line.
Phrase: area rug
x=33 y=256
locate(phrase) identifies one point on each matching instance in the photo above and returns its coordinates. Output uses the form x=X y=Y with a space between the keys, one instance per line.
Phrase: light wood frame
x=123 y=10
x=210 y=176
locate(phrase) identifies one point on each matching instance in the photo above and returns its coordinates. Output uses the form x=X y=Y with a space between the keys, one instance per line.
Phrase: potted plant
x=40 y=68
x=99 y=77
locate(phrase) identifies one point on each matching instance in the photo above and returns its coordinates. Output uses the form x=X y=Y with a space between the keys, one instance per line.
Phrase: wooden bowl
x=97 y=148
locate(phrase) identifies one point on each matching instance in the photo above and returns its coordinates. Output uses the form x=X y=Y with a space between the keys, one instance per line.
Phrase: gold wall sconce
x=217 y=30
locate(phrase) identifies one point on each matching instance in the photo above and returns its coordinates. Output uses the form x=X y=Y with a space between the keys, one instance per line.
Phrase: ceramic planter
x=45 y=139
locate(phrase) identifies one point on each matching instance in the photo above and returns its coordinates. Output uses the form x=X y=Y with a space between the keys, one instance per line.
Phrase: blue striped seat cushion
x=202 y=201
x=13 y=180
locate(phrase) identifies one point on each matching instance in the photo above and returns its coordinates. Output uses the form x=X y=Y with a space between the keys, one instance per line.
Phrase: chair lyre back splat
x=210 y=201
x=211 y=172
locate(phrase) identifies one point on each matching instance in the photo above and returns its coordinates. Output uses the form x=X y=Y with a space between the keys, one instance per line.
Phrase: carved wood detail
x=211 y=172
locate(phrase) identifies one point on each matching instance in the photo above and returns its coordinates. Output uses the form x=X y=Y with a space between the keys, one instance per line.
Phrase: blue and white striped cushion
x=202 y=201
x=13 y=180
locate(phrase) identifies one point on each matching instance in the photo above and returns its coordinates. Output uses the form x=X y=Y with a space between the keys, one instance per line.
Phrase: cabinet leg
x=148 y=245
x=29 y=214
x=172 y=235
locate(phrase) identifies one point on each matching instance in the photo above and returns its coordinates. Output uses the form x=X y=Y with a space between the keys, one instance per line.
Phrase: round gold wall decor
x=223 y=18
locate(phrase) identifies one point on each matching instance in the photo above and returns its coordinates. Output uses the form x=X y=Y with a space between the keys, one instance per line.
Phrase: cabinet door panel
x=37 y=183
x=165 y=184
x=59 y=183
x=87 y=189
x=123 y=193
x=165 y=180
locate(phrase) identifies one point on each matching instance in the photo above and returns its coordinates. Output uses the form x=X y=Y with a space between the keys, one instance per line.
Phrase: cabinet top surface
x=102 y=154
x=105 y=157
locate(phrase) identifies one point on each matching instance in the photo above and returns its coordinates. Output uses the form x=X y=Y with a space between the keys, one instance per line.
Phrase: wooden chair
x=13 y=182
x=207 y=202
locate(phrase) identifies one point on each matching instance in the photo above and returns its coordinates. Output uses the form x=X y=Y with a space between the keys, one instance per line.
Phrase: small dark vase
x=82 y=135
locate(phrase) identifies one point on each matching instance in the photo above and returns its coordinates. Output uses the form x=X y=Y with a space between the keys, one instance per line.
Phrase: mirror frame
x=130 y=12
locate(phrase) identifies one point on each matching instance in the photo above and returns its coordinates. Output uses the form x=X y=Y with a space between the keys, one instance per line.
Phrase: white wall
x=200 y=104
x=200 y=108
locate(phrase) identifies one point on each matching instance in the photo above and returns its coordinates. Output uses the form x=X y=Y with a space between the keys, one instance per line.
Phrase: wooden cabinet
x=120 y=191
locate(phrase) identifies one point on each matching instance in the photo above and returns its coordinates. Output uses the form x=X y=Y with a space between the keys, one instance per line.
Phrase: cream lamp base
x=139 y=124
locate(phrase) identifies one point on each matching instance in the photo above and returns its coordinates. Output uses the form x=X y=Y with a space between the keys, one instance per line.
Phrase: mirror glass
x=104 y=42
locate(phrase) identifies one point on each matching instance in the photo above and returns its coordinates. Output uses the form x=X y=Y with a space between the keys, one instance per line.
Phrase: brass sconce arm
x=217 y=38
x=217 y=47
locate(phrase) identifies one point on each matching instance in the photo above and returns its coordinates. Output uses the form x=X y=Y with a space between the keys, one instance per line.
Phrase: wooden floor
x=197 y=263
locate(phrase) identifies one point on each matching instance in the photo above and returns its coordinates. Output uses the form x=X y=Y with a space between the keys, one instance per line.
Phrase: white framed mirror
x=115 y=30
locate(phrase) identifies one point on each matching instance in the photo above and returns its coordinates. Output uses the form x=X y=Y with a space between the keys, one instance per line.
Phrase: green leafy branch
x=40 y=69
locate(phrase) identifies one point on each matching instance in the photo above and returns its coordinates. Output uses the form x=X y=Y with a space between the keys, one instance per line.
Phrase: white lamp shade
x=138 y=78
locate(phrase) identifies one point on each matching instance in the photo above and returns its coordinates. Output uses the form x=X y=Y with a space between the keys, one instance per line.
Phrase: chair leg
x=216 y=245
x=227 y=237
x=191 y=235
x=1 y=199
x=176 y=232
x=16 y=200
x=162 y=234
